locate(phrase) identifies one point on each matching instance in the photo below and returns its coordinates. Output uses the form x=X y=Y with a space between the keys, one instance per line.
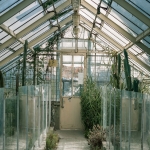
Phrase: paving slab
x=72 y=140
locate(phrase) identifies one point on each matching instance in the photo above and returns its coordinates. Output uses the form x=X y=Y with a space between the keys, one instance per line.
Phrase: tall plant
x=90 y=104
x=115 y=71
x=1 y=80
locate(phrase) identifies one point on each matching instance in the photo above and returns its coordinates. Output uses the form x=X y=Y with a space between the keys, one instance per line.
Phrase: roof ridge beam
x=35 y=41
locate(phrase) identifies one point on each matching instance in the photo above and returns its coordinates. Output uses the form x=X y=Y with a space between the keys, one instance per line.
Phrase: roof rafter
x=138 y=38
x=115 y=43
x=35 y=41
x=34 y=25
x=116 y=27
x=133 y=11
x=15 y=10
x=10 y=32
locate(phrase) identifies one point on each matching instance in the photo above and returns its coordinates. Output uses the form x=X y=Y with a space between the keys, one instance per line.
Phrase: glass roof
x=143 y=6
x=116 y=27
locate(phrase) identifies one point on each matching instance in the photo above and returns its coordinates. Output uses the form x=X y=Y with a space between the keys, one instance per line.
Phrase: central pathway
x=72 y=140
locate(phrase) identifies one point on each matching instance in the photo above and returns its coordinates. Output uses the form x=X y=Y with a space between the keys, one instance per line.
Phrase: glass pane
x=113 y=36
x=146 y=42
x=142 y=6
x=114 y=32
x=67 y=75
x=7 y=5
x=78 y=67
x=128 y=19
x=25 y=15
x=23 y=117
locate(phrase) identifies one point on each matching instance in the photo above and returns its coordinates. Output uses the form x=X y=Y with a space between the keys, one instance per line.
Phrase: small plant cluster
x=51 y=141
x=96 y=137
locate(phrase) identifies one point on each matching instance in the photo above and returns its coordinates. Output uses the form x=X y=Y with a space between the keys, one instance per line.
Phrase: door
x=72 y=75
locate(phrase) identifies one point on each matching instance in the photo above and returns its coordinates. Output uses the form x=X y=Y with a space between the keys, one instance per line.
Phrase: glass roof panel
x=142 y=5
x=121 y=24
x=3 y=35
x=107 y=43
x=128 y=19
x=15 y=44
x=106 y=31
x=137 y=49
x=139 y=67
x=4 y=39
x=94 y=3
x=133 y=51
x=88 y=15
x=18 y=46
x=144 y=58
x=145 y=42
x=59 y=3
x=147 y=38
x=7 y=5
x=29 y=22
x=5 y=54
x=23 y=16
x=116 y=33
x=36 y=31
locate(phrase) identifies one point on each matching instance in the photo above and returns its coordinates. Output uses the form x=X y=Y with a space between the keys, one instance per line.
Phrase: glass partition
x=126 y=119
x=1 y=117
x=24 y=117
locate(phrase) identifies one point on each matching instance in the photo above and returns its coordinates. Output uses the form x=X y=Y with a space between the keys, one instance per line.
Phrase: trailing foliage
x=96 y=137
x=51 y=141
x=90 y=104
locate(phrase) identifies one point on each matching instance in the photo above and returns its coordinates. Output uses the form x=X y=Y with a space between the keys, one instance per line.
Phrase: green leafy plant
x=96 y=137
x=90 y=104
x=51 y=141
x=127 y=69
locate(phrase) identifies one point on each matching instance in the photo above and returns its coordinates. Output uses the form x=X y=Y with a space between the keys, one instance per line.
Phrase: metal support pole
x=110 y=118
x=129 y=128
x=142 y=123
x=27 y=119
x=46 y=101
x=39 y=116
x=58 y=73
x=34 y=105
x=34 y=70
x=3 y=122
x=49 y=105
x=120 y=119
x=17 y=97
x=114 y=137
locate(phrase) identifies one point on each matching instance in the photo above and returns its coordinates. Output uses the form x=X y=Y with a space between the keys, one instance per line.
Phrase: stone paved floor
x=72 y=140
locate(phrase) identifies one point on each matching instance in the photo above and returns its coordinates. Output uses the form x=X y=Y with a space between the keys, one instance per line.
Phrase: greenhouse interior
x=76 y=66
